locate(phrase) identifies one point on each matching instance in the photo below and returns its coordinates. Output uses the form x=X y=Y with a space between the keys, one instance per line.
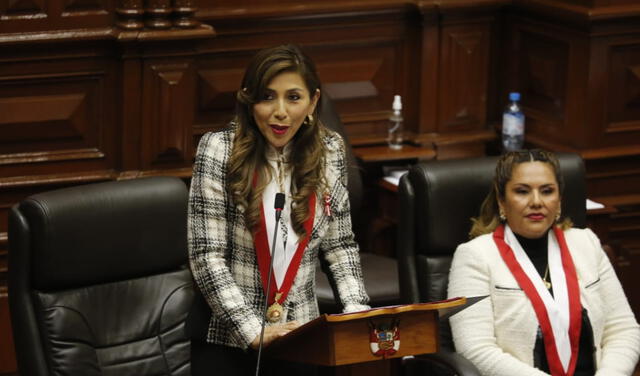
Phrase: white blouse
x=287 y=239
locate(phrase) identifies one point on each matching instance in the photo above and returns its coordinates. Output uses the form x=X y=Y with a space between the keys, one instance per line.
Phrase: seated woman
x=275 y=146
x=555 y=305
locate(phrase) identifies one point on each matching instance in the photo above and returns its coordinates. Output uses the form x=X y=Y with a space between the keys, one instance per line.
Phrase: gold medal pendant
x=547 y=284
x=275 y=311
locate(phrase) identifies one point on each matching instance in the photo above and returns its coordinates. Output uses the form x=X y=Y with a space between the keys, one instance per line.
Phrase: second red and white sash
x=560 y=315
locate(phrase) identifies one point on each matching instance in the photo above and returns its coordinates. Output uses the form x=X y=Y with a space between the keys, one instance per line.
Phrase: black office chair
x=437 y=200
x=98 y=283
x=380 y=273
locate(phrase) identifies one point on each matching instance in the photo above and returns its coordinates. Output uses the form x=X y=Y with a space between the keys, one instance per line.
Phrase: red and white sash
x=261 y=243
x=560 y=315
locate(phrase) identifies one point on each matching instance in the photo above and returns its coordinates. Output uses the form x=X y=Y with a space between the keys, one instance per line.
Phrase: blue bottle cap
x=514 y=96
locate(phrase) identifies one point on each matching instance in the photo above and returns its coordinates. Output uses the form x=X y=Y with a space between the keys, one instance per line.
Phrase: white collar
x=274 y=154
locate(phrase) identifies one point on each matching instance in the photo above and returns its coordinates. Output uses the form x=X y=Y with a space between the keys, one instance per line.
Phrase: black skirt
x=210 y=359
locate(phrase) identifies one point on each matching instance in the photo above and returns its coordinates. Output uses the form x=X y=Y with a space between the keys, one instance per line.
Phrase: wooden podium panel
x=342 y=339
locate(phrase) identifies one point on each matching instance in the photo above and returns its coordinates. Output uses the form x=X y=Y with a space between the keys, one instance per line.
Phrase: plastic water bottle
x=513 y=125
x=395 y=124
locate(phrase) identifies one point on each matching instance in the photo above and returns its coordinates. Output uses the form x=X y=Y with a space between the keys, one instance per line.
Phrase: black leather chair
x=437 y=200
x=98 y=283
x=380 y=273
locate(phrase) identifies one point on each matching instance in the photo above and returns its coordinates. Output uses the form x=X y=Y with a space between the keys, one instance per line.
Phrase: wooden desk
x=623 y=237
x=599 y=221
x=382 y=153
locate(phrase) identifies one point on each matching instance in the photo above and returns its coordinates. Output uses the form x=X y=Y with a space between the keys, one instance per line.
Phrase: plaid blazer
x=222 y=256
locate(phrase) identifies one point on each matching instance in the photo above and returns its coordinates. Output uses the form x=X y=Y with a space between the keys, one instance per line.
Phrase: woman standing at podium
x=555 y=304
x=275 y=145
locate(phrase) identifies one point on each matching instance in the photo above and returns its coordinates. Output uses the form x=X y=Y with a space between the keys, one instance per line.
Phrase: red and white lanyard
x=261 y=243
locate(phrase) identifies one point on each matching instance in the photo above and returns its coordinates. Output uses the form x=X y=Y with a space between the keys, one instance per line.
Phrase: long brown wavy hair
x=248 y=157
x=489 y=217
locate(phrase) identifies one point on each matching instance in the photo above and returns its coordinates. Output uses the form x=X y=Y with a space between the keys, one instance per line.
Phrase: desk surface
x=382 y=153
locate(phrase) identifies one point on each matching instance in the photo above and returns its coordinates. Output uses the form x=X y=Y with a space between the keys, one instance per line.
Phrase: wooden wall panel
x=623 y=101
x=464 y=77
x=363 y=80
x=56 y=117
x=544 y=65
x=24 y=8
x=217 y=84
x=615 y=180
x=168 y=97
x=363 y=59
x=543 y=71
x=578 y=84
x=458 y=58
x=612 y=117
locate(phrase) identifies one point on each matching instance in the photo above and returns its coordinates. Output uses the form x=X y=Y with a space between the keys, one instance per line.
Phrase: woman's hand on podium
x=273 y=332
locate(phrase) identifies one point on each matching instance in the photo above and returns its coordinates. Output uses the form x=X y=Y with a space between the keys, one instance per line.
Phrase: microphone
x=278 y=205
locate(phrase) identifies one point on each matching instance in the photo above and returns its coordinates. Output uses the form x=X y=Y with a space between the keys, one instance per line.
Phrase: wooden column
x=184 y=11
x=158 y=14
x=130 y=13
x=458 y=40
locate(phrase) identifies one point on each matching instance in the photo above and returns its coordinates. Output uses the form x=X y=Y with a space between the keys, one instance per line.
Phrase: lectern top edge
x=390 y=310
x=365 y=336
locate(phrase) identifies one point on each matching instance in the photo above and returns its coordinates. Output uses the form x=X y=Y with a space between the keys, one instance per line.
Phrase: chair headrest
x=449 y=193
x=105 y=232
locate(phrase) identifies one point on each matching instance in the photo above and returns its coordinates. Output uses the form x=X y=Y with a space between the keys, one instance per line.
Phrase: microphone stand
x=279 y=204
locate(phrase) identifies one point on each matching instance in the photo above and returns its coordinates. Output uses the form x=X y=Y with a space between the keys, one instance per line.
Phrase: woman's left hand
x=273 y=332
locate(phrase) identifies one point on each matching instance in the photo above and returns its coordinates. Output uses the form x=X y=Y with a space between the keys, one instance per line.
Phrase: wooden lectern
x=343 y=339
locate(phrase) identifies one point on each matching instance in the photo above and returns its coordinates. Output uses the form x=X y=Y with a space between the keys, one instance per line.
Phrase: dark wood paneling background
x=577 y=65
x=94 y=90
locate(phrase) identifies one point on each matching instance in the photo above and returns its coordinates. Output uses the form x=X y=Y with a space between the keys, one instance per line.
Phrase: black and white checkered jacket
x=223 y=259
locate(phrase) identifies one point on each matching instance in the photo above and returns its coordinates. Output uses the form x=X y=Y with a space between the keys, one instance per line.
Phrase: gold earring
x=558 y=215
x=503 y=217
x=308 y=120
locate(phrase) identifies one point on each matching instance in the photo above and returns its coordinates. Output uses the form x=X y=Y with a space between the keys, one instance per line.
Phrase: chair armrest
x=440 y=363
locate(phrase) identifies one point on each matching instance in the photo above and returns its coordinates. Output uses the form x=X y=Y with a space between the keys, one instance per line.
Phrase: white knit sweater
x=498 y=334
